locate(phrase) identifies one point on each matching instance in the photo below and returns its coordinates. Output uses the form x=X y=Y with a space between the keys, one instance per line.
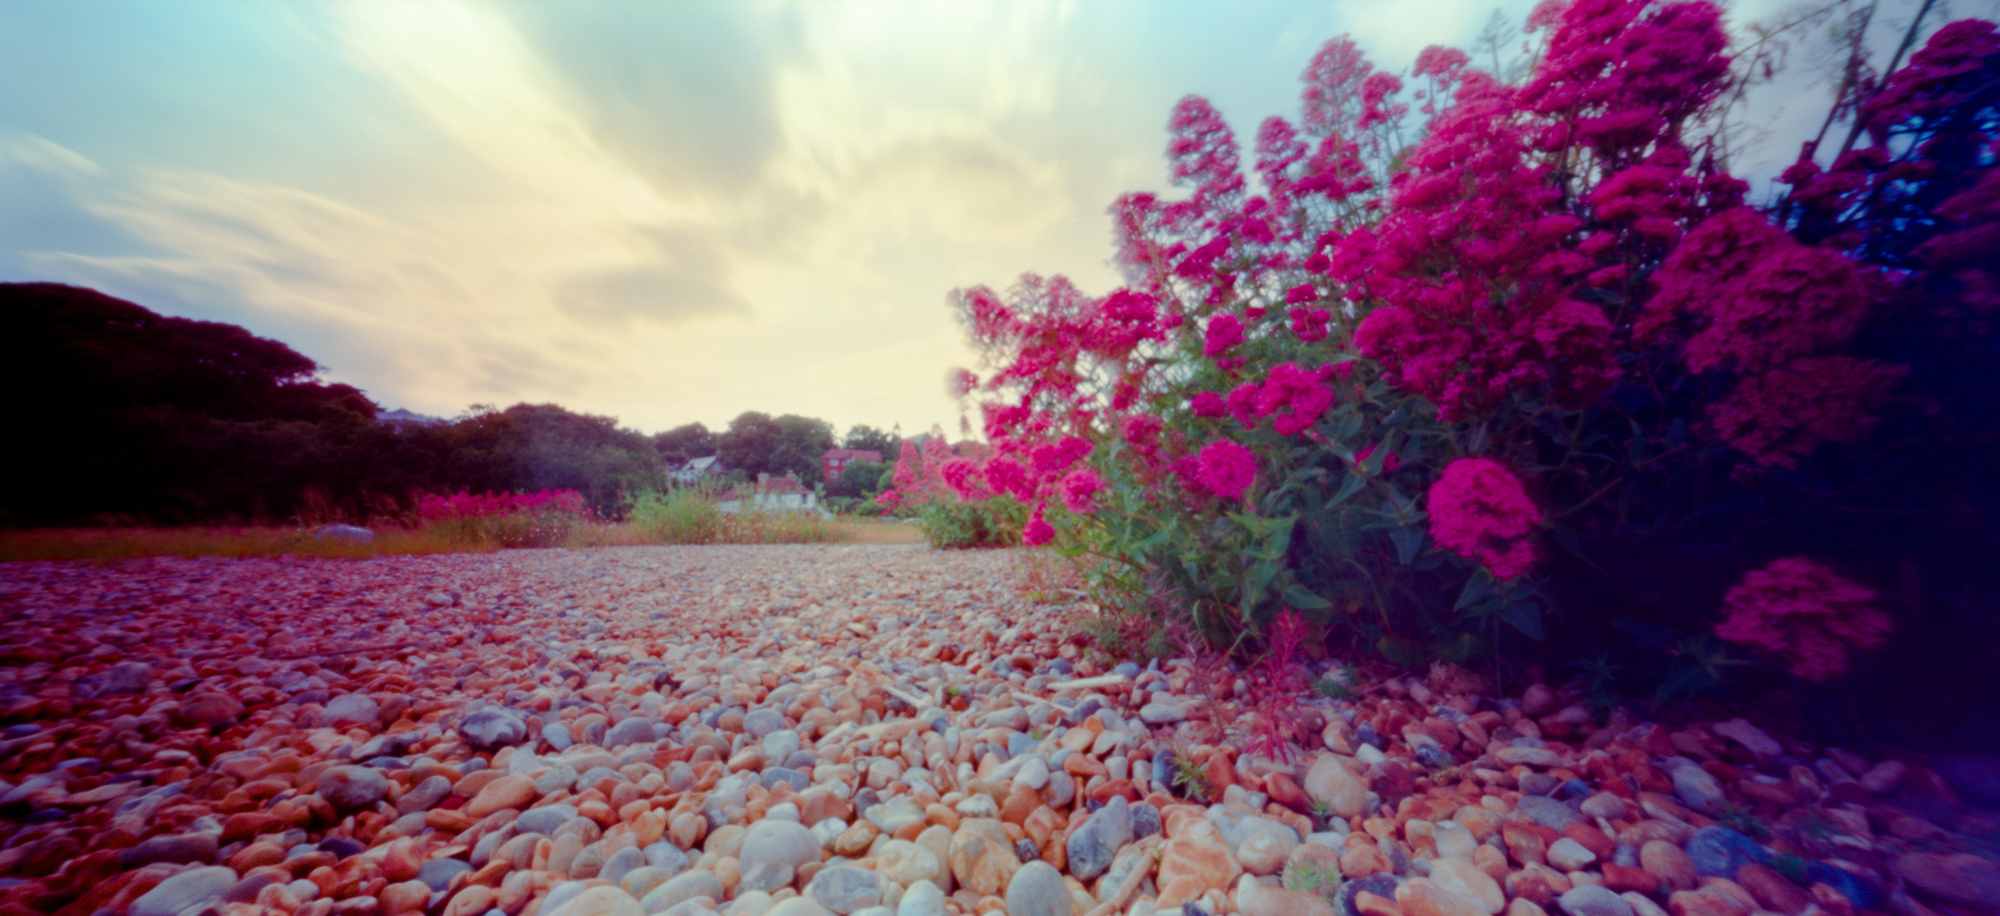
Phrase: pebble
x=1593 y=900
x=185 y=891
x=872 y=730
x=351 y=787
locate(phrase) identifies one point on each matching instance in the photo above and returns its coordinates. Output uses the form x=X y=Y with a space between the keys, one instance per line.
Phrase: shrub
x=682 y=516
x=955 y=525
x=692 y=516
x=545 y=518
x=1546 y=356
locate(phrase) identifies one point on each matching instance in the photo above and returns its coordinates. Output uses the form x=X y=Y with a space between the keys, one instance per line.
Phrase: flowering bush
x=959 y=506
x=1465 y=351
x=1805 y=614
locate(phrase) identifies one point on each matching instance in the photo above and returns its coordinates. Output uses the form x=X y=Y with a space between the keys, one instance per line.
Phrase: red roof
x=852 y=454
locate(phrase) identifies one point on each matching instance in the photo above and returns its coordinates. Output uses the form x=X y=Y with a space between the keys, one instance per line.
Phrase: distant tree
x=681 y=444
x=863 y=436
x=803 y=441
x=858 y=480
x=543 y=446
x=750 y=444
x=138 y=415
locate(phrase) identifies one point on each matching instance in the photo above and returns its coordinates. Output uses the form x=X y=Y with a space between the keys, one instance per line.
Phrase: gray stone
x=557 y=735
x=598 y=901
x=1383 y=886
x=1593 y=900
x=621 y=863
x=545 y=819
x=176 y=848
x=424 y=795
x=351 y=787
x=1092 y=846
x=346 y=534
x=562 y=893
x=1547 y=811
x=780 y=744
x=1696 y=788
x=352 y=709
x=635 y=730
x=894 y=814
x=437 y=873
x=921 y=899
x=1750 y=736
x=490 y=729
x=762 y=721
x=697 y=883
x=1037 y=889
x=187 y=890
x=124 y=677
x=772 y=852
x=1570 y=855
x=845 y=889
x=1164 y=711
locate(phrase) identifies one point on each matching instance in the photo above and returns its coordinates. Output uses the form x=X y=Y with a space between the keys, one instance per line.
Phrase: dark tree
x=681 y=444
x=863 y=436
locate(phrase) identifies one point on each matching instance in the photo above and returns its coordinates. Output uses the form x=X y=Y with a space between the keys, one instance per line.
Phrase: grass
x=133 y=543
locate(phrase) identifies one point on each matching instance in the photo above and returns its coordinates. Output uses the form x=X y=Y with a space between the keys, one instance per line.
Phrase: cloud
x=680 y=91
x=686 y=279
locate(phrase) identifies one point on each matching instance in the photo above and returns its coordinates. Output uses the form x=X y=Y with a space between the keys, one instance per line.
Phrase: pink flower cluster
x=1751 y=300
x=1475 y=267
x=1804 y=613
x=463 y=504
x=1780 y=416
x=1480 y=511
x=1223 y=469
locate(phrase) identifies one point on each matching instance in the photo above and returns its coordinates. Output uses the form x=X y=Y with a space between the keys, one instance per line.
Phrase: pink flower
x=1224 y=332
x=1208 y=404
x=1058 y=456
x=1804 y=613
x=1005 y=475
x=888 y=499
x=1787 y=413
x=1480 y=511
x=1080 y=489
x=1226 y=469
x=1038 y=531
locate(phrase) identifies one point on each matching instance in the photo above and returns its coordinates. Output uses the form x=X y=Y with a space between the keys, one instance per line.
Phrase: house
x=836 y=460
x=696 y=469
x=772 y=494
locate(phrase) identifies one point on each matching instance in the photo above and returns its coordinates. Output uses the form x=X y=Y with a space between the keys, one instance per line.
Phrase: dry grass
x=129 y=543
x=132 y=543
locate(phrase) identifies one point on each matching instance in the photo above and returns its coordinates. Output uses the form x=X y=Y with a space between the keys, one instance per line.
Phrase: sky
x=663 y=212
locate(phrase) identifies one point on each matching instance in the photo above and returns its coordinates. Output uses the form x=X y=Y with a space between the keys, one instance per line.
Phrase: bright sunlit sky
x=661 y=211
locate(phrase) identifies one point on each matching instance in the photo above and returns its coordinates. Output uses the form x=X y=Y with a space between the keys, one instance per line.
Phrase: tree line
x=135 y=417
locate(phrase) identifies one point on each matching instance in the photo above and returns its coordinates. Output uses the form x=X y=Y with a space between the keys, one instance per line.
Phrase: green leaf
x=1409 y=542
x=1525 y=616
x=1348 y=488
x=1478 y=588
x=1301 y=599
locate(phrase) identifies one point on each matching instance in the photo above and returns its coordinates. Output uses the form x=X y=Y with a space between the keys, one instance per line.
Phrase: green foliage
x=1309 y=878
x=950 y=525
x=691 y=516
x=677 y=517
x=867 y=437
x=1336 y=685
x=858 y=480
x=684 y=443
x=791 y=444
